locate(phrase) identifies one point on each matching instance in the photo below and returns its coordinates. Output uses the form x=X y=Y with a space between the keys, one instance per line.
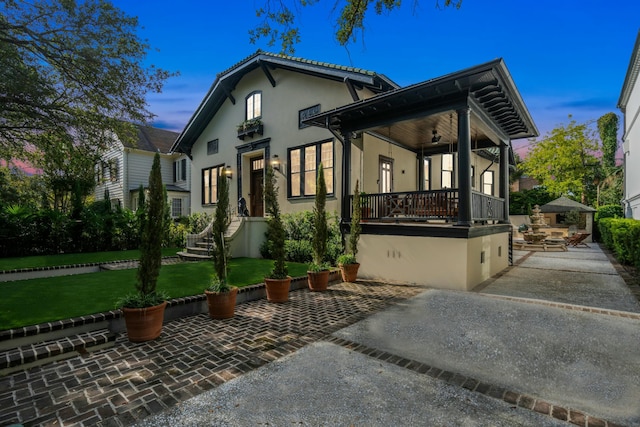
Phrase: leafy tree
x=151 y=235
x=610 y=186
x=279 y=20
x=565 y=162
x=70 y=71
x=522 y=202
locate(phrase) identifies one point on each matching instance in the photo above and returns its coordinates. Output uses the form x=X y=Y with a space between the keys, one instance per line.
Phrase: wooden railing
x=411 y=205
x=485 y=207
x=425 y=205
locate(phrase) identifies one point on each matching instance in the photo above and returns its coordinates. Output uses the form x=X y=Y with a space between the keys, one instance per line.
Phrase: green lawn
x=70 y=259
x=29 y=302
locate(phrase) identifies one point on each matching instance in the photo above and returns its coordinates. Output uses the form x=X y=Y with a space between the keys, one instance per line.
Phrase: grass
x=71 y=259
x=29 y=302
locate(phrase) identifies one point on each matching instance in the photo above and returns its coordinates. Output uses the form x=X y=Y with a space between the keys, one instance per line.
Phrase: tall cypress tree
x=321 y=234
x=221 y=222
x=151 y=234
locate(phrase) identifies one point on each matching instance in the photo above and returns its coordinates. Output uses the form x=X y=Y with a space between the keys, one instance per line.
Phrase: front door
x=256 y=207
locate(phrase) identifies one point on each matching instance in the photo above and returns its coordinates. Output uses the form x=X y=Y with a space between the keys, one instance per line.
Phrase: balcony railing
x=427 y=205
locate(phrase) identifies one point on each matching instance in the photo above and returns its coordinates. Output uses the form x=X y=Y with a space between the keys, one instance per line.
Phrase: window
x=473 y=177
x=176 y=208
x=210 y=184
x=212 y=147
x=386 y=175
x=426 y=172
x=487 y=182
x=447 y=171
x=113 y=170
x=303 y=168
x=180 y=170
x=254 y=105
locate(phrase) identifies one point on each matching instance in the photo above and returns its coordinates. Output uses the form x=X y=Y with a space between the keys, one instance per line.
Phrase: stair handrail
x=193 y=238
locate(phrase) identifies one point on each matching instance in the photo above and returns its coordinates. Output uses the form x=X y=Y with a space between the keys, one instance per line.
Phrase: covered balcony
x=443 y=235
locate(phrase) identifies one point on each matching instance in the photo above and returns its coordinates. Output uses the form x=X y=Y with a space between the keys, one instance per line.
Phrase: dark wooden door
x=256 y=202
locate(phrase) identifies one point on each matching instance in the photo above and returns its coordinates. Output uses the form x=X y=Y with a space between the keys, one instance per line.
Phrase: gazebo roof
x=563 y=204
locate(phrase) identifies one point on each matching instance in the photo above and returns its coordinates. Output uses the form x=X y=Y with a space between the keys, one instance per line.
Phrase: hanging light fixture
x=436 y=138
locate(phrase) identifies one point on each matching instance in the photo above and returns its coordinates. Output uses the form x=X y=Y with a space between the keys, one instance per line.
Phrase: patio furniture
x=578 y=240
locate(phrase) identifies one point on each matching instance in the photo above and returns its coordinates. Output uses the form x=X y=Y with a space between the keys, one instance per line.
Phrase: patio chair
x=578 y=240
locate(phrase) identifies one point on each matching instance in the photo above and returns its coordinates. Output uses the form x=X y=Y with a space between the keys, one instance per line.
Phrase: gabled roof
x=226 y=81
x=563 y=204
x=632 y=75
x=153 y=139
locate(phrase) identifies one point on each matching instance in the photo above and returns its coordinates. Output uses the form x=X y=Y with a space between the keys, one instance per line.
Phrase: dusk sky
x=566 y=57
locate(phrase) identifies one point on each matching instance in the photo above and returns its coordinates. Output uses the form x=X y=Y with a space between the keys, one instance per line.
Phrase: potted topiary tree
x=278 y=281
x=347 y=262
x=318 y=274
x=221 y=298
x=143 y=310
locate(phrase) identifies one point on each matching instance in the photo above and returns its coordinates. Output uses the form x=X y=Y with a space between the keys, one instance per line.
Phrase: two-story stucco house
x=124 y=167
x=432 y=158
x=629 y=104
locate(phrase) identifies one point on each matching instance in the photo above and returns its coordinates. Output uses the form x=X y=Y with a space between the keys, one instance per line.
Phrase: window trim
x=443 y=170
x=318 y=145
x=492 y=184
x=246 y=105
x=385 y=160
x=220 y=168
x=173 y=199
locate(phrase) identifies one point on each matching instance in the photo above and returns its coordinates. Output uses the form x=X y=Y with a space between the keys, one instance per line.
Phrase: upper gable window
x=254 y=105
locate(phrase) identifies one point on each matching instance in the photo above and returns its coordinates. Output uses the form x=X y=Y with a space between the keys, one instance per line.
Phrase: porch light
x=275 y=162
x=436 y=137
x=228 y=172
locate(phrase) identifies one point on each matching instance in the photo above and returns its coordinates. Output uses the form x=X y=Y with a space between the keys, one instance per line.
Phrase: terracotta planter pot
x=144 y=324
x=349 y=272
x=318 y=281
x=222 y=305
x=277 y=289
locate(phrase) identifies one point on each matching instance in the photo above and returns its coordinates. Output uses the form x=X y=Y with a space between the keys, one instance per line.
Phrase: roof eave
x=632 y=75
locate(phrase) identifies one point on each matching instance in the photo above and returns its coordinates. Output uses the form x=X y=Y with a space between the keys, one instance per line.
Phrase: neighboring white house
x=124 y=167
x=629 y=104
x=401 y=144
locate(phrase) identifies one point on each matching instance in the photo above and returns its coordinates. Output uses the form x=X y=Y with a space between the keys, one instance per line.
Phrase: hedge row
x=622 y=236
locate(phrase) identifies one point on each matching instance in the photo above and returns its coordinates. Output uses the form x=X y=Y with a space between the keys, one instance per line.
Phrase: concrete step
x=186 y=256
x=40 y=353
x=198 y=251
x=203 y=244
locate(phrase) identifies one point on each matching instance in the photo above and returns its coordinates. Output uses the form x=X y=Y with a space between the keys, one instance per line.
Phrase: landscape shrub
x=622 y=236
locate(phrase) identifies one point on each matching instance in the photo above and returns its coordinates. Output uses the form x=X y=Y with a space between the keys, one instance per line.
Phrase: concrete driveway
x=525 y=350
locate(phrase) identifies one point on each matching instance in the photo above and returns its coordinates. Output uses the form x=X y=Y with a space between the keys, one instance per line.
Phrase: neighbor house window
x=254 y=105
x=176 y=208
x=487 y=182
x=212 y=147
x=210 y=184
x=113 y=170
x=303 y=170
x=447 y=170
x=180 y=170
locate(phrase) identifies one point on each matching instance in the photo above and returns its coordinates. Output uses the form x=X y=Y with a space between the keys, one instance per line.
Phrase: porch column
x=345 y=213
x=504 y=181
x=464 y=167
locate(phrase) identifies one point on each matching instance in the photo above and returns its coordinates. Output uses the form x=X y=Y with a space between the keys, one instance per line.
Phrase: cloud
x=584 y=104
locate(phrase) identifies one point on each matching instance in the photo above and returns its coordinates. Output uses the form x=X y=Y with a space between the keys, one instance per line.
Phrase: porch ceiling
x=409 y=115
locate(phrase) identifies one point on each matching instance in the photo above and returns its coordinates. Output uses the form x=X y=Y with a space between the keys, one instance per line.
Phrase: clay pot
x=144 y=324
x=222 y=305
x=349 y=272
x=277 y=289
x=318 y=281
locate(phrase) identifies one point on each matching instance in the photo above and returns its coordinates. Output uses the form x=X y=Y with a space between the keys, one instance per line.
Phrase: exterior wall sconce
x=228 y=173
x=276 y=164
x=436 y=138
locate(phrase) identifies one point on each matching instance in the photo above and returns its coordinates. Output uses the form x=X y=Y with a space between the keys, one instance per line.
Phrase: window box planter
x=250 y=130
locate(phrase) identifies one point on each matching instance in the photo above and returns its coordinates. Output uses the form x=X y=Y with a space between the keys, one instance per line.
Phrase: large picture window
x=210 y=184
x=254 y=105
x=303 y=170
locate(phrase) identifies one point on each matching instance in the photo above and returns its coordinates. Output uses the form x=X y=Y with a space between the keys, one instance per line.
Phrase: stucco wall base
x=438 y=262
x=248 y=238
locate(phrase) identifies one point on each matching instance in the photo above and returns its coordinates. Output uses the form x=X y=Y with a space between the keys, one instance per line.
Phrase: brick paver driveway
x=128 y=382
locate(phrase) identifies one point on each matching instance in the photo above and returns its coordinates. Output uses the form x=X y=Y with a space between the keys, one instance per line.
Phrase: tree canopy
x=279 y=21
x=565 y=161
x=71 y=73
